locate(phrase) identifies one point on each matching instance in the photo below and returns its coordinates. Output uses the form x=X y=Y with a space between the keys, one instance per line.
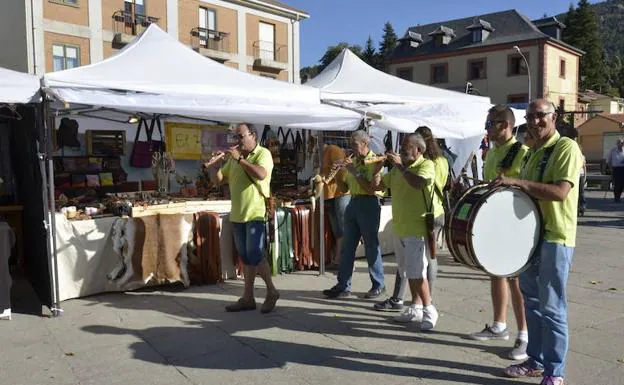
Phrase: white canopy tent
x=157 y=74
x=18 y=87
x=403 y=105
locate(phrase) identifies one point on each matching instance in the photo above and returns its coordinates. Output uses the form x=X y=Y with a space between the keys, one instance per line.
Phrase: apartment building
x=478 y=54
x=257 y=36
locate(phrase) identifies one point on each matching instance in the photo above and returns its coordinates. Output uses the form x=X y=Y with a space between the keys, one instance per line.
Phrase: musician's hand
x=394 y=158
x=234 y=152
x=504 y=181
x=348 y=164
x=376 y=180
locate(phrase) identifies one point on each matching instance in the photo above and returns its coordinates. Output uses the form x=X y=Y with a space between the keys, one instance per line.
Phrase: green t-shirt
x=563 y=165
x=494 y=157
x=366 y=172
x=247 y=202
x=408 y=203
x=441 y=175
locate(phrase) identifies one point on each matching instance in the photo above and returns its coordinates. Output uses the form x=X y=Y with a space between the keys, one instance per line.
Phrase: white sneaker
x=410 y=314
x=5 y=315
x=429 y=319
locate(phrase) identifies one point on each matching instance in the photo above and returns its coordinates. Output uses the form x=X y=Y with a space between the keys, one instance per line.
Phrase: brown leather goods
x=205 y=266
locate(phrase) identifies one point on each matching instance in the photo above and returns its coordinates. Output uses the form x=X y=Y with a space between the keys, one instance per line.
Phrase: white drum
x=496 y=230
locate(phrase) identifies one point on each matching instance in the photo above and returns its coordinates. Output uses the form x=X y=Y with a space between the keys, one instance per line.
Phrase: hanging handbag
x=142 y=151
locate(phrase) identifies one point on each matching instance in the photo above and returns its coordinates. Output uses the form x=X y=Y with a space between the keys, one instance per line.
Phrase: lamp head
x=516 y=48
x=133 y=119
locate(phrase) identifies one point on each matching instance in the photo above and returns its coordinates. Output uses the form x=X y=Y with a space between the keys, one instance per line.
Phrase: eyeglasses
x=491 y=123
x=537 y=115
x=240 y=136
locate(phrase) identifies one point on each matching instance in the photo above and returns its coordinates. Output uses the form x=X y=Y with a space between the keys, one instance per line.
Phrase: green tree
x=389 y=41
x=370 y=54
x=307 y=73
x=582 y=32
x=335 y=50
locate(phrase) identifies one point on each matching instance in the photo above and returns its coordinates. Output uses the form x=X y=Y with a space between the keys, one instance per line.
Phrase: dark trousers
x=618 y=182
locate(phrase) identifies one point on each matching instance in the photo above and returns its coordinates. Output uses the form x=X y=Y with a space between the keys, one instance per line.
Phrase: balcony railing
x=266 y=50
x=133 y=24
x=210 y=39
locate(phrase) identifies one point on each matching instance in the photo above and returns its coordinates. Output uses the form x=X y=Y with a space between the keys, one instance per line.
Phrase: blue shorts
x=249 y=238
x=336 y=211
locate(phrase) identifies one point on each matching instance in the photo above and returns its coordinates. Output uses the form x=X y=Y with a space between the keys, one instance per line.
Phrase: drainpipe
x=292 y=56
x=32 y=27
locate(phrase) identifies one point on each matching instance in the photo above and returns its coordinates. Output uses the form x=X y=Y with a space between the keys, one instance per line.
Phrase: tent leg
x=321 y=214
x=45 y=159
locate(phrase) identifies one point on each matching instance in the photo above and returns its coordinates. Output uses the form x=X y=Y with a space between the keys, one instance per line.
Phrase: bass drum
x=495 y=230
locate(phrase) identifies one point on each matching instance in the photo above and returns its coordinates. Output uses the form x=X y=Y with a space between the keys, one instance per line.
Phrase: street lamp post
x=528 y=67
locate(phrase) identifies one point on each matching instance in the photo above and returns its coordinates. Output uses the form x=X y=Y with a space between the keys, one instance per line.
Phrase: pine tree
x=370 y=54
x=582 y=32
x=389 y=41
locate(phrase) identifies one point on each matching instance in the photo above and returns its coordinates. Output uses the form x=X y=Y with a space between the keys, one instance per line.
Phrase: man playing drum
x=550 y=175
x=505 y=158
x=412 y=181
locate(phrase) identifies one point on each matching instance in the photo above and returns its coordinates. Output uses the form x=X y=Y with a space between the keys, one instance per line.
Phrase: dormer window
x=442 y=35
x=480 y=30
x=551 y=26
x=414 y=39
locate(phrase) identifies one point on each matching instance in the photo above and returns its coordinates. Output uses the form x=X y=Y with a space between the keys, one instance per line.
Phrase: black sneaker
x=335 y=292
x=374 y=293
x=391 y=304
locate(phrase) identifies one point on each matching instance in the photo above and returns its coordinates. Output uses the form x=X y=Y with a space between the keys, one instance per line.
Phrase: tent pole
x=48 y=181
x=321 y=212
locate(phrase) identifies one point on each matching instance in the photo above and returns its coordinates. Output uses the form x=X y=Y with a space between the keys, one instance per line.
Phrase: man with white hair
x=615 y=160
x=412 y=182
x=361 y=221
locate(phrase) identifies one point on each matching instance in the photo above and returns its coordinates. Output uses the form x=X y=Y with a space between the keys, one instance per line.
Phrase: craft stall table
x=91 y=255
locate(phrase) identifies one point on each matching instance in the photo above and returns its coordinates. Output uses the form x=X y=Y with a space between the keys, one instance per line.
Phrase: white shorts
x=412 y=255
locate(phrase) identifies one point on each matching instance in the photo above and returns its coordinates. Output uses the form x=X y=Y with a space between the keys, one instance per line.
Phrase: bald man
x=550 y=175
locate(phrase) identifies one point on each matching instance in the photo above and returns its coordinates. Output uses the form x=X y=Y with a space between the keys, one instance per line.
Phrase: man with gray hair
x=412 y=182
x=615 y=160
x=361 y=220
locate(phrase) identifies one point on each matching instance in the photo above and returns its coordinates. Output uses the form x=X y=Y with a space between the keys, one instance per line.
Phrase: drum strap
x=510 y=156
x=545 y=157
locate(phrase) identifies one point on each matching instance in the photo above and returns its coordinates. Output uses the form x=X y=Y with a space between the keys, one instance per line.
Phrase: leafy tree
x=335 y=50
x=582 y=32
x=307 y=73
x=370 y=54
x=389 y=41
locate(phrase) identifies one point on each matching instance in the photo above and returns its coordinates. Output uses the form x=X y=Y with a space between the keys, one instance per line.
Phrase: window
x=66 y=2
x=439 y=73
x=516 y=65
x=562 y=68
x=267 y=41
x=561 y=104
x=65 y=57
x=517 y=99
x=405 y=73
x=207 y=25
x=477 y=35
x=477 y=69
x=136 y=7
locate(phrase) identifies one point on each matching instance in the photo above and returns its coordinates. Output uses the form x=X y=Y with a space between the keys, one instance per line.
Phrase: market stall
x=170 y=105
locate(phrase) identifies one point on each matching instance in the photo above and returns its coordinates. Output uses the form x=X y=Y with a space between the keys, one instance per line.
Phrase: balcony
x=211 y=43
x=270 y=56
x=128 y=25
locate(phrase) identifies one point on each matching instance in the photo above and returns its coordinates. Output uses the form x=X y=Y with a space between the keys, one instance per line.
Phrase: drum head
x=506 y=231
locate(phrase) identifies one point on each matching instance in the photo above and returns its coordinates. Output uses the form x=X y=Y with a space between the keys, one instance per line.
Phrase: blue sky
x=333 y=21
